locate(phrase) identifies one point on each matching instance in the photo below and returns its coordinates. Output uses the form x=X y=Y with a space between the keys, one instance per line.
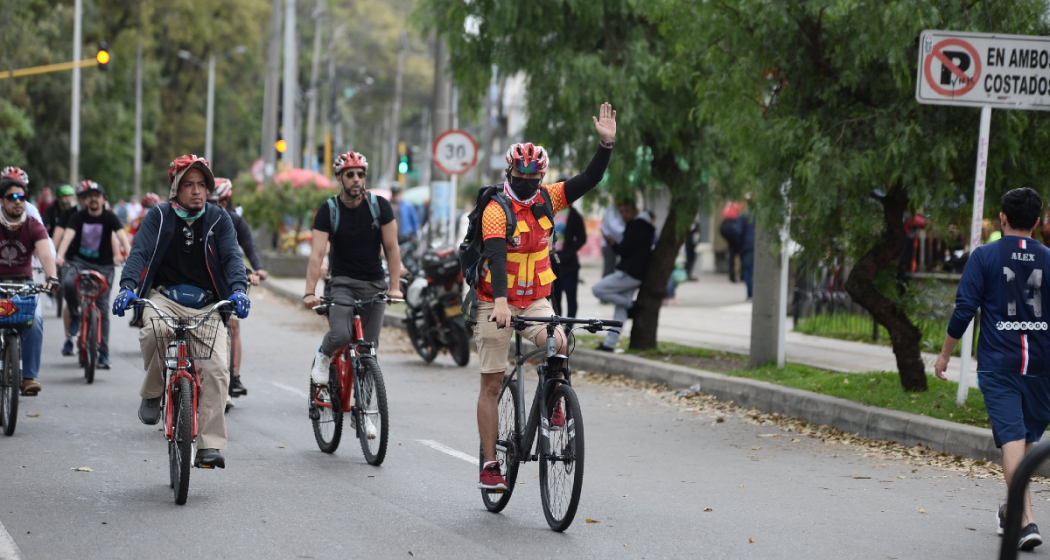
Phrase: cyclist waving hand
x=516 y=277
x=359 y=224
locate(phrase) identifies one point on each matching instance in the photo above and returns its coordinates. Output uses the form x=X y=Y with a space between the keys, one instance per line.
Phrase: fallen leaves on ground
x=589 y=520
x=708 y=509
x=709 y=406
x=750 y=540
x=81 y=469
x=32 y=415
x=922 y=510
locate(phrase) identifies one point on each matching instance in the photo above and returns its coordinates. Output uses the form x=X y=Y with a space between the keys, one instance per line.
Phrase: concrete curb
x=866 y=420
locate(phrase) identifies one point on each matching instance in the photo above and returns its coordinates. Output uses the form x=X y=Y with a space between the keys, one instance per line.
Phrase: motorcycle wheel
x=418 y=336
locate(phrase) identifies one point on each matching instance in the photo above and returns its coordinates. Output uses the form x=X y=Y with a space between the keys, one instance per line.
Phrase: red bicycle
x=90 y=286
x=177 y=350
x=355 y=385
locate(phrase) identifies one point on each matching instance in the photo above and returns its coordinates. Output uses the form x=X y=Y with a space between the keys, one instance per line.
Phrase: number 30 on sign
x=455 y=152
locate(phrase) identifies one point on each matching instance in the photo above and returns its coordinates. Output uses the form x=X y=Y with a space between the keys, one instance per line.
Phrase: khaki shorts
x=494 y=343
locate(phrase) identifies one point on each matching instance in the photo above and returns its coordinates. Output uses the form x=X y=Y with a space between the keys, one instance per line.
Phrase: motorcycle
x=434 y=315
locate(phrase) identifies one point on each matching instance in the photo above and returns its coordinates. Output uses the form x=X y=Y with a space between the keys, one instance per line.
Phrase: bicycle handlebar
x=11 y=288
x=166 y=316
x=521 y=320
x=327 y=302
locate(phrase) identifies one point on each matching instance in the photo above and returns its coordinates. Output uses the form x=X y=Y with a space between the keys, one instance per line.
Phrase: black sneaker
x=604 y=348
x=237 y=389
x=149 y=411
x=1029 y=538
x=209 y=459
x=1001 y=518
x=67 y=348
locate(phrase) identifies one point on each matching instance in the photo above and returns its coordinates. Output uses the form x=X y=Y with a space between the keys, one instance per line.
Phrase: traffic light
x=102 y=56
x=281 y=146
x=402 y=166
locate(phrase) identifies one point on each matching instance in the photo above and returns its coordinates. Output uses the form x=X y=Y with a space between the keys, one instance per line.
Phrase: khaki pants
x=494 y=343
x=214 y=373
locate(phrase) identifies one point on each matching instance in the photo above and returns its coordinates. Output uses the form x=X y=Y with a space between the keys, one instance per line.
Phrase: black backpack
x=472 y=247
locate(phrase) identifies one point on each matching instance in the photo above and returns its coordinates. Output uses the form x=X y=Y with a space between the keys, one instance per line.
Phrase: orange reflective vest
x=529 y=274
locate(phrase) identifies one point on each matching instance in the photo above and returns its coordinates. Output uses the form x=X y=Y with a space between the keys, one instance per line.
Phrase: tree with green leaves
x=577 y=54
x=822 y=93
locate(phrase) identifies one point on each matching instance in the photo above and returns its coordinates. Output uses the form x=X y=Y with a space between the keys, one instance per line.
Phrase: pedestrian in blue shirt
x=1006 y=279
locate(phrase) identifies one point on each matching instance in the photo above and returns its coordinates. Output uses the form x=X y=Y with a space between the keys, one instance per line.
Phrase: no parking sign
x=984 y=70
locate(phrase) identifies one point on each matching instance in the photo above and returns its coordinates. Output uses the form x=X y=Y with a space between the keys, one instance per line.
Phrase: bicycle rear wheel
x=180 y=449
x=460 y=338
x=91 y=344
x=370 y=408
x=506 y=449
x=11 y=384
x=327 y=420
x=561 y=472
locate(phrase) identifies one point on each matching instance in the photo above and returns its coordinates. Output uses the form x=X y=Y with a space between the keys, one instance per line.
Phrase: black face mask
x=524 y=188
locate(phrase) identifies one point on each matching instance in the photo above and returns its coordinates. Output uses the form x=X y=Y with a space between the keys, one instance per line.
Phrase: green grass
x=882 y=389
x=857 y=327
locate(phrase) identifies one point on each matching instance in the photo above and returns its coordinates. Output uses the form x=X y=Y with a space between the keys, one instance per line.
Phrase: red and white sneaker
x=491 y=478
x=558 y=417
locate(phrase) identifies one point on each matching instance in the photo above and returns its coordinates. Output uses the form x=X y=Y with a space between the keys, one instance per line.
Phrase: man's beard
x=12 y=216
x=352 y=196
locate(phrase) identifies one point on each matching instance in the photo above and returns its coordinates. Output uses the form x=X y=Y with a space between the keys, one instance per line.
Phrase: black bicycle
x=17 y=312
x=555 y=415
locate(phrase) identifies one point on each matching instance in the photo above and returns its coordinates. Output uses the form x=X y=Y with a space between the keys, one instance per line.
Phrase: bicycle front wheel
x=180 y=449
x=91 y=343
x=326 y=412
x=506 y=448
x=561 y=472
x=370 y=411
x=11 y=384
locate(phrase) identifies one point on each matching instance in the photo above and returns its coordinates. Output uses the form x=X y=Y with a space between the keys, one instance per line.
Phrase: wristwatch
x=605 y=144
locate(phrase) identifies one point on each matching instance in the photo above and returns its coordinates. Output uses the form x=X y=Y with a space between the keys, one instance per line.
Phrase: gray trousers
x=608 y=260
x=341 y=319
x=618 y=289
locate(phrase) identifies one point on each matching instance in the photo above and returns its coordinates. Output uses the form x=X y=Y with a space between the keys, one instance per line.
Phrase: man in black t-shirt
x=87 y=246
x=357 y=272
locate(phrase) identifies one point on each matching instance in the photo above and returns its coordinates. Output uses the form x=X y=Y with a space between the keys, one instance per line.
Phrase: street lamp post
x=210 y=65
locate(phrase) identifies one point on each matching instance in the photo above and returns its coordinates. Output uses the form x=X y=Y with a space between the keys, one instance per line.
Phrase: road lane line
x=290 y=389
x=448 y=450
x=8 y=547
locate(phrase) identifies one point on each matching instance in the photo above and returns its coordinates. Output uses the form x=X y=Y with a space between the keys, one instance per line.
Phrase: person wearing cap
x=86 y=245
x=186 y=259
x=57 y=215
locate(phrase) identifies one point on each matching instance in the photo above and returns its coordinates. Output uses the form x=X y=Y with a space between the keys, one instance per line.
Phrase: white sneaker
x=319 y=373
x=229 y=403
x=370 y=428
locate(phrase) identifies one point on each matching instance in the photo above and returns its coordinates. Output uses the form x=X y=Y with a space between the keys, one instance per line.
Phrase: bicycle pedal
x=315 y=414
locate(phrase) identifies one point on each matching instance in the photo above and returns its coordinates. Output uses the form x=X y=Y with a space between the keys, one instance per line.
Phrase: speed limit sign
x=455 y=152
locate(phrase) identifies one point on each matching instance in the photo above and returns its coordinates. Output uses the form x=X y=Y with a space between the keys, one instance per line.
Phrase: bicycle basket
x=199 y=341
x=17 y=312
x=90 y=283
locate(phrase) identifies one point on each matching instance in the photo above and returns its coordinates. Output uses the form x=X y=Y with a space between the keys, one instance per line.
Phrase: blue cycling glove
x=241 y=304
x=125 y=298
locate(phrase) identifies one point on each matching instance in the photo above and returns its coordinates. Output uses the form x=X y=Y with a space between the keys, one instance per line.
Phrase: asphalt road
x=654 y=469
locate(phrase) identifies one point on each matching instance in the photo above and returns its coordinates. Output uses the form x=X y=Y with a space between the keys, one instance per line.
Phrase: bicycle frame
x=346 y=360
x=183 y=366
x=86 y=303
x=538 y=412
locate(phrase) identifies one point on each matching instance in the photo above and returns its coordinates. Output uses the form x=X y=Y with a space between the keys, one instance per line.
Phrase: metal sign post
x=982 y=70
x=455 y=152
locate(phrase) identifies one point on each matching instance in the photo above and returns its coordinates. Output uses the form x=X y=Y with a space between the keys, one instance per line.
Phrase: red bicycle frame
x=87 y=301
x=181 y=372
x=342 y=360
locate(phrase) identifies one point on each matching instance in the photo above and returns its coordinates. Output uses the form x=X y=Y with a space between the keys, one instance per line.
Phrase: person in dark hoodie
x=186 y=258
x=634 y=251
x=571 y=240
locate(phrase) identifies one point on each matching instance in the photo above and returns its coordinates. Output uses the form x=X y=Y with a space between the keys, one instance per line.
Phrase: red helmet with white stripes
x=15 y=174
x=527 y=158
x=223 y=190
x=349 y=160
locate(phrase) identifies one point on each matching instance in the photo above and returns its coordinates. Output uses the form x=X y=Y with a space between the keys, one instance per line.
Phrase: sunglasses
x=187 y=243
x=15 y=197
x=350 y=174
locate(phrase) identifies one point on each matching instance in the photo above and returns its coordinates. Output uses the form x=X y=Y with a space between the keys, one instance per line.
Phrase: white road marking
x=448 y=450
x=8 y=548
x=290 y=389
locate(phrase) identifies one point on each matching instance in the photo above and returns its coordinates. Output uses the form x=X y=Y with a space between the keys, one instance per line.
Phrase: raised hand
x=605 y=123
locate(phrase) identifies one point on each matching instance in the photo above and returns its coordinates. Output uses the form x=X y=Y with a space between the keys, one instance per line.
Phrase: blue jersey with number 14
x=1006 y=279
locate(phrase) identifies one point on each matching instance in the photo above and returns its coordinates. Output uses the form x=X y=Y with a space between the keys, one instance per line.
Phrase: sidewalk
x=712 y=313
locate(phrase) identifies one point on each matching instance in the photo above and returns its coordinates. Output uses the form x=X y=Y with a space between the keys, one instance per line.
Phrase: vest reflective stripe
x=529 y=276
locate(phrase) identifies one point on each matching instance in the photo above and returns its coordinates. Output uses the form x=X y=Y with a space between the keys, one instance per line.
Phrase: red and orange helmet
x=349 y=160
x=149 y=200
x=87 y=185
x=527 y=158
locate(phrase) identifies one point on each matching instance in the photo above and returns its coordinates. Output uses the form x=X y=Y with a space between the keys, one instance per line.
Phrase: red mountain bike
x=90 y=286
x=355 y=385
x=177 y=350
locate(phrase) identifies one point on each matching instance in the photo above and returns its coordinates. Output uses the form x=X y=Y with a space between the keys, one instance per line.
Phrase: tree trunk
x=904 y=335
x=685 y=201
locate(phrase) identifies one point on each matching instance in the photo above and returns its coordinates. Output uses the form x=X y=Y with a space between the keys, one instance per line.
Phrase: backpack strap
x=548 y=210
x=504 y=202
x=333 y=213
x=373 y=207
